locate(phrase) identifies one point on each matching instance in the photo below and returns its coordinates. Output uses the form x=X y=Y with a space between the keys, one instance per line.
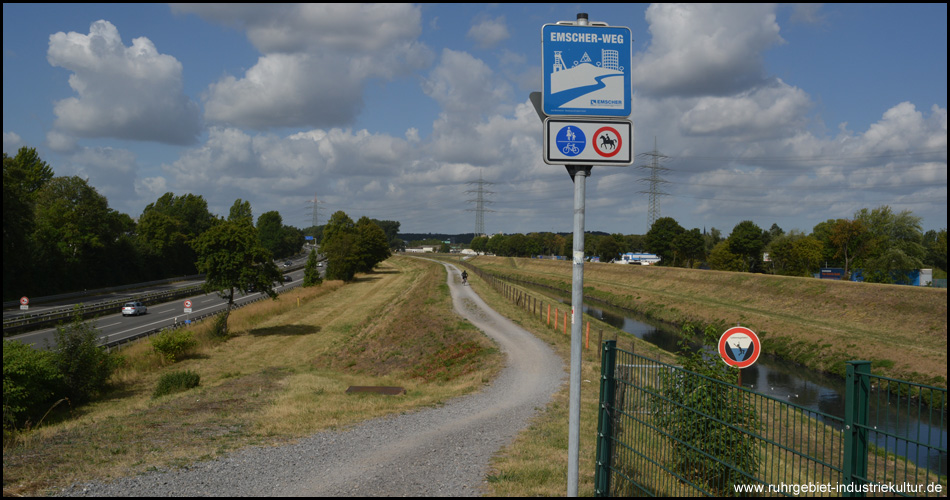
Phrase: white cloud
x=466 y=89
x=124 y=92
x=489 y=32
x=317 y=60
x=705 y=49
x=765 y=112
x=11 y=143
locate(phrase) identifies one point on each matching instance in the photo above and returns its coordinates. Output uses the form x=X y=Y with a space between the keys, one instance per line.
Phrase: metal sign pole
x=579 y=174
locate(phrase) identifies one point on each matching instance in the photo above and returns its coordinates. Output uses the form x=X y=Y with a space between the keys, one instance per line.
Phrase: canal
x=796 y=384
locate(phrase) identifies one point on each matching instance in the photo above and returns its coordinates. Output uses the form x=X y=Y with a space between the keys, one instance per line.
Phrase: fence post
x=604 y=422
x=857 y=391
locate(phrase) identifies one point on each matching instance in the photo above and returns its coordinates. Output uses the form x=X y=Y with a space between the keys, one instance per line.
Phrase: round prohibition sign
x=739 y=347
x=608 y=136
x=24 y=301
x=187 y=303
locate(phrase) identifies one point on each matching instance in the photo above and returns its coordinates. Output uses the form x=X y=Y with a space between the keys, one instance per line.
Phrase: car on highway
x=288 y=263
x=287 y=278
x=134 y=309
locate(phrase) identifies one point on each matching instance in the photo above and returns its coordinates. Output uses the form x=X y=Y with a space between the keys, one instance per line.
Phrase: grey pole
x=579 y=174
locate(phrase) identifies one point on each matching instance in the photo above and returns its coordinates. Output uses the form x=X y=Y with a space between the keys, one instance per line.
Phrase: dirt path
x=442 y=451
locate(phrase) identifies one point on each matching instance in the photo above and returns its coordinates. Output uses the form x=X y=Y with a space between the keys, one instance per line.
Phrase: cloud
x=316 y=61
x=705 y=49
x=124 y=92
x=765 y=112
x=285 y=171
x=466 y=89
x=11 y=143
x=489 y=32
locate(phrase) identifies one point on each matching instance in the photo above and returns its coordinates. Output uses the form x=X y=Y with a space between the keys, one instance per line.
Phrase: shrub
x=701 y=415
x=219 y=328
x=83 y=364
x=31 y=383
x=172 y=344
x=175 y=382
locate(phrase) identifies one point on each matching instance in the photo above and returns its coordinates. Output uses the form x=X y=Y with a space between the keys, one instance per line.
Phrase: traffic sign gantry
x=739 y=347
x=586 y=70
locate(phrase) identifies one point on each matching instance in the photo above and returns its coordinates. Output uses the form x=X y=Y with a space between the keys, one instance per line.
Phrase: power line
x=315 y=210
x=654 y=168
x=480 y=203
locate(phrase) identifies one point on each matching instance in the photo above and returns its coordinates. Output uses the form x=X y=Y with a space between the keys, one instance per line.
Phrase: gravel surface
x=441 y=451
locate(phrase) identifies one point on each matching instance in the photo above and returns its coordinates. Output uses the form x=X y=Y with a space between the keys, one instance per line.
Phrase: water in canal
x=825 y=393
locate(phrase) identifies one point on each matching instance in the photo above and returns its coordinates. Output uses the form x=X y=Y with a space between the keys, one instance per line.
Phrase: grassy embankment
x=282 y=375
x=820 y=324
x=536 y=463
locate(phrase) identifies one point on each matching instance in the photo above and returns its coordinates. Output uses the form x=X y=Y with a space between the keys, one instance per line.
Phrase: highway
x=116 y=328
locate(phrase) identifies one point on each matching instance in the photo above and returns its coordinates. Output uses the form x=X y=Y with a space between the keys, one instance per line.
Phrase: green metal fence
x=664 y=431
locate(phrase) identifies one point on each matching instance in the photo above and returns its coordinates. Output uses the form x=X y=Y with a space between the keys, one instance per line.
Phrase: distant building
x=643 y=259
x=425 y=249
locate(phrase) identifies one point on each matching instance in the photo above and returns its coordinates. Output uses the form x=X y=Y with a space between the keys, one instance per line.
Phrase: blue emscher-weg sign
x=586 y=70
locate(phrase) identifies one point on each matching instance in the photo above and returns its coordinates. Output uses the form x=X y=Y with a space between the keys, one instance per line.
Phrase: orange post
x=587 y=337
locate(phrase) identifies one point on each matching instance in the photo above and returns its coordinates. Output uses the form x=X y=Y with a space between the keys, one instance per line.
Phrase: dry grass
x=282 y=375
x=818 y=323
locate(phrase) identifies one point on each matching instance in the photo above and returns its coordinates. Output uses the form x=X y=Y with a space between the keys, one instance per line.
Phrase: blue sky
x=784 y=114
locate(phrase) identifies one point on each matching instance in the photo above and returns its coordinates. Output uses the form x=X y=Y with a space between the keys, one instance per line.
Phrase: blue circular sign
x=571 y=140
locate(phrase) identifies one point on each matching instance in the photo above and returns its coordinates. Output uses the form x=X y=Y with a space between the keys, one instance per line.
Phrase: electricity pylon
x=480 y=203
x=654 y=168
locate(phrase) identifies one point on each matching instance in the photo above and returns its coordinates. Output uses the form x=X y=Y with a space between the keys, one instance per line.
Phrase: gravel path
x=441 y=451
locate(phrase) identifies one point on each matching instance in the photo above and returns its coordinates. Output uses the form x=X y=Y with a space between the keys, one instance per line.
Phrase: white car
x=134 y=309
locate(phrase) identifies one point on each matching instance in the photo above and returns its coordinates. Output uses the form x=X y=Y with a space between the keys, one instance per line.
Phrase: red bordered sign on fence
x=739 y=347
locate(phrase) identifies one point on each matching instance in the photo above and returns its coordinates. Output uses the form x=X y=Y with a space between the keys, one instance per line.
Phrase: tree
x=270 y=228
x=232 y=258
x=241 y=212
x=372 y=247
x=690 y=246
x=75 y=237
x=722 y=259
x=479 y=244
x=659 y=239
x=311 y=272
x=23 y=176
x=608 y=248
x=894 y=244
x=339 y=247
x=849 y=238
x=936 y=244
x=747 y=240
x=794 y=254
x=165 y=230
x=711 y=239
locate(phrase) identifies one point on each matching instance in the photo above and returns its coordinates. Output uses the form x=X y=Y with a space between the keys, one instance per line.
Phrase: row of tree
x=879 y=241
x=59 y=234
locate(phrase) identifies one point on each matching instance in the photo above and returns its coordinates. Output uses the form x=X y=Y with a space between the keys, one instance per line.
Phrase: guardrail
x=191 y=320
x=24 y=323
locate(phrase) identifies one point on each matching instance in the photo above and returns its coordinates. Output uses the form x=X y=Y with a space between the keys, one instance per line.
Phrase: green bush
x=172 y=344
x=83 y=364
x=700 y=416
x=174 y=382
x=31 y=384
x=219 y=329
